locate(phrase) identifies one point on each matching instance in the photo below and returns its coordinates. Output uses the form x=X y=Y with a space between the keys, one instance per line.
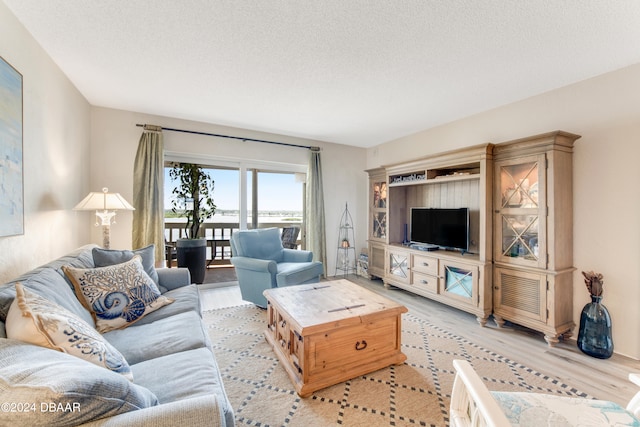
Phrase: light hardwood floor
x=602 y=379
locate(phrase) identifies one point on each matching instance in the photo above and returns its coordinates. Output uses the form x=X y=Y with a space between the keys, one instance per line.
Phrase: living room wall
x=115 y=136
x=56 y=122
x=605 y=110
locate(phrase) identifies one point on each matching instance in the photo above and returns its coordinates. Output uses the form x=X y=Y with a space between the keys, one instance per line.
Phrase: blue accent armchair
x=261 y=263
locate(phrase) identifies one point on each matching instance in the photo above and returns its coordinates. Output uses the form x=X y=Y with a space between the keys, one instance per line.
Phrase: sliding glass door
x=217 y=230
x=273 y=199
x=276 y=199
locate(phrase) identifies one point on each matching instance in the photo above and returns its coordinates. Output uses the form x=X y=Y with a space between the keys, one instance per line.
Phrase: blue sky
x=277 y=191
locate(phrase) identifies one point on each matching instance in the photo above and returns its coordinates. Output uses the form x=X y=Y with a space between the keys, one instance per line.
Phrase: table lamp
x=105 y=204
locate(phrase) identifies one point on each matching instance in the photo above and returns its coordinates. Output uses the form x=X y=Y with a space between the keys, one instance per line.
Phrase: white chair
x=472 y=404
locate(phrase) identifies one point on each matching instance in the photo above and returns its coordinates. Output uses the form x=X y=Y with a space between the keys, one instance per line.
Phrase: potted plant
x=192 y=198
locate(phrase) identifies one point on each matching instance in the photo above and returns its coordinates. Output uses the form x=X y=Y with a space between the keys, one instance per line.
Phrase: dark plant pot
x=192 y=254
x=594 y=336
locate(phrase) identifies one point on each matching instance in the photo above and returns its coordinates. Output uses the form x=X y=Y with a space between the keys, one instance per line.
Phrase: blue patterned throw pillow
x=36 y=320
x=117 y=295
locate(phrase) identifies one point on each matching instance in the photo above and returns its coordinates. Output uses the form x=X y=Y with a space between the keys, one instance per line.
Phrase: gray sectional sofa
x=176 y=380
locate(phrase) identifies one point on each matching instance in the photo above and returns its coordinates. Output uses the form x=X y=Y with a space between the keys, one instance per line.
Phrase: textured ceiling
x=358 y=72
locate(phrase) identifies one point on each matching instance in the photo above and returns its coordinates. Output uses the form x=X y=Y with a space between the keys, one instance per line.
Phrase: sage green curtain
x=148 y=192
x=316 y=241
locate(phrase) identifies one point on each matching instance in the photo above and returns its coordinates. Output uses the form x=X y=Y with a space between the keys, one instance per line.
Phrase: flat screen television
x=443 y=228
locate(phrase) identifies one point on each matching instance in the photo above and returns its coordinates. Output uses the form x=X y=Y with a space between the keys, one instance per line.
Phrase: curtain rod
x=159 y=128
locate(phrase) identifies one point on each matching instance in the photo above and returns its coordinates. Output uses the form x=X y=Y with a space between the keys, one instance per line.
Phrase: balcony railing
x=218 y=235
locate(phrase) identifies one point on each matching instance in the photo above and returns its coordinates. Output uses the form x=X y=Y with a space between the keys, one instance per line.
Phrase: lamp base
x=105 y=219
x=106 y=236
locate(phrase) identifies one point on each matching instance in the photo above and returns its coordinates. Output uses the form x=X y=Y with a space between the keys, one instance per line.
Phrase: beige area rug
x=216 y=285
x=414 y=393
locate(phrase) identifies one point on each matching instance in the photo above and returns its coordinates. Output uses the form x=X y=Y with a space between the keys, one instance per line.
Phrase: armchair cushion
x=472 y=404
x=528 y=409
x=297 y=273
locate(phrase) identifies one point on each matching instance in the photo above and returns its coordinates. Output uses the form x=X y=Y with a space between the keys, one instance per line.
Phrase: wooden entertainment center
x=519 y=264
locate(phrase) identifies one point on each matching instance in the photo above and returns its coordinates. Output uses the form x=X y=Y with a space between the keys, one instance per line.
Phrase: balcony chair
x=170 y=253
x=472 y=404
x=262 y=263
x=290 y=237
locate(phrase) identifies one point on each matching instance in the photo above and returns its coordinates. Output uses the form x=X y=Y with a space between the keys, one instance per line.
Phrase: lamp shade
x=104 y=201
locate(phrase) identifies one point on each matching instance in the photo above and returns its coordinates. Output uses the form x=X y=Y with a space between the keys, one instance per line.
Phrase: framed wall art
x=11 y=167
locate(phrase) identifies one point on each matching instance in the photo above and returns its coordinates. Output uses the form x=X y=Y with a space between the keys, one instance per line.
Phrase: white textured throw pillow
x=38 y=321
x=117 y=295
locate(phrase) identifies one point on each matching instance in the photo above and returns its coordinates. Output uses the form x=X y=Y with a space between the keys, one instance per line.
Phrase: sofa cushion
x=169 y=335
x=57 y=389
x=47 y=283
x=185 y=375
x=117 y=295
x=262 y=243
x=36 y=320
x=186 y=299
x=106 y=257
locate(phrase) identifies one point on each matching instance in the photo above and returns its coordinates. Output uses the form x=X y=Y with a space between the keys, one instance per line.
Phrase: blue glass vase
x=594 y=337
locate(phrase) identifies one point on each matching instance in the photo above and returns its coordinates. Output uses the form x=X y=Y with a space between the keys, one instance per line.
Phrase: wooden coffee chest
x=329 y=332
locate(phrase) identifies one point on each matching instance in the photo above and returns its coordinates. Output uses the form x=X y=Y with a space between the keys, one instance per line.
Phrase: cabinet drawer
x=368 y=341
x=425 y=282
x=425 y=264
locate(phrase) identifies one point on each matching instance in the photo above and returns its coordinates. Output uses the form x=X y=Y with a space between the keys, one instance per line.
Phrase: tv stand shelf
x=440 y=253
x=437 y=175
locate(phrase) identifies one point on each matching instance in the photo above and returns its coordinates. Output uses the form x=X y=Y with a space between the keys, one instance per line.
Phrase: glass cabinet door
x=520 y=236
x=521 y=211
x=379 y=195
x=459 y=281
x=399 y=265
x=379 y=225
x=379 y=210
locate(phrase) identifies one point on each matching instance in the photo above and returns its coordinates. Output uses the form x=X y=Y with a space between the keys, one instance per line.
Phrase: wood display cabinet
x=520 y=261
x=533 y=243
